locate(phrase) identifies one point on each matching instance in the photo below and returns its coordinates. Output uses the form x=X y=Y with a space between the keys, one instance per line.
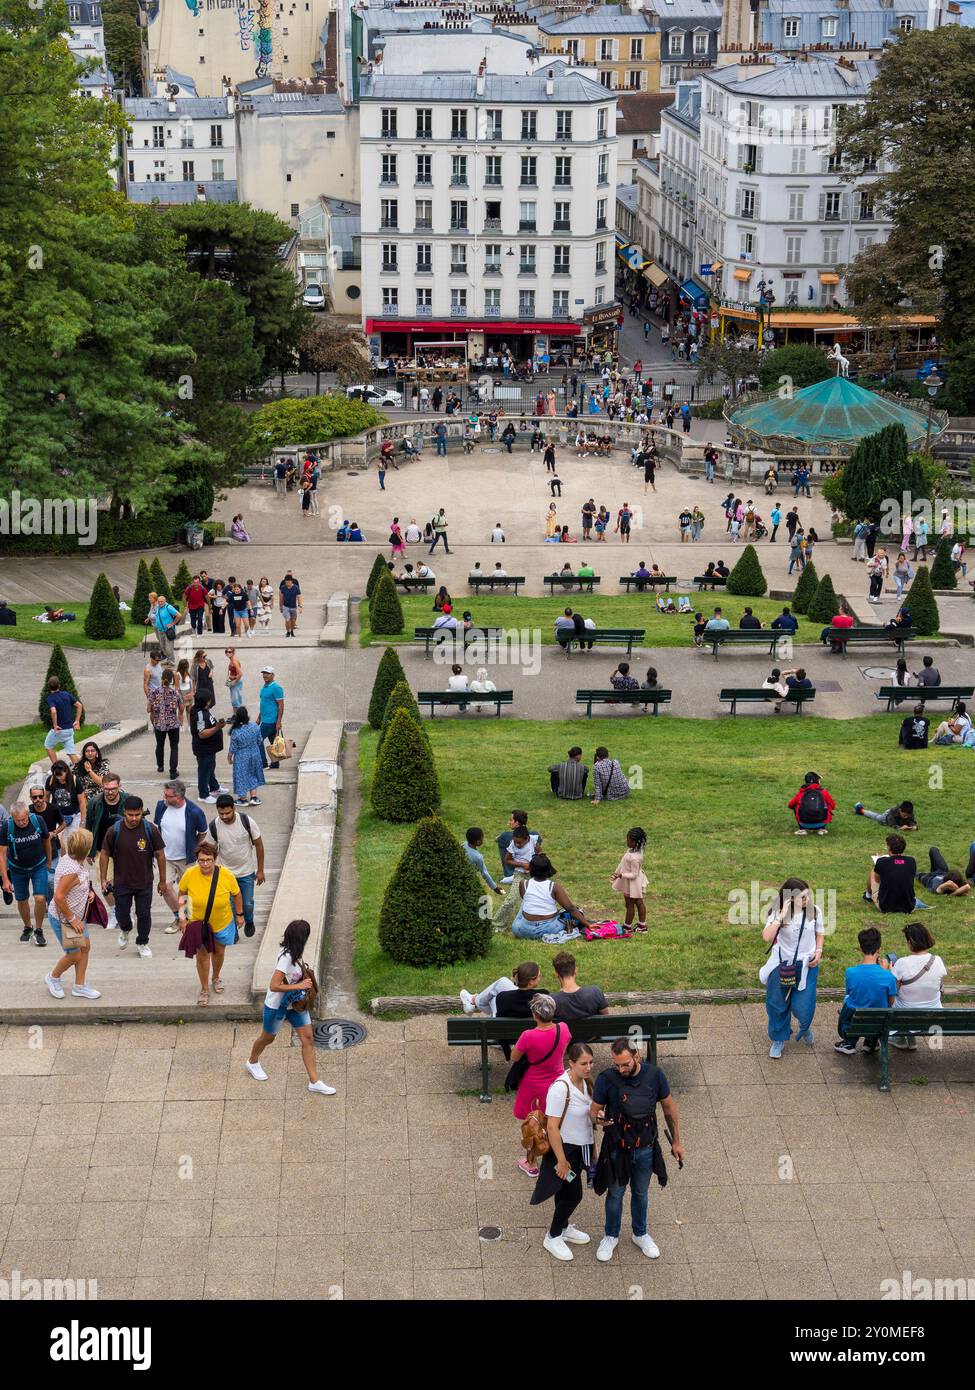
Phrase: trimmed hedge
x=433 y=913
x=401 y=697
x=181 y=580
x=824 y=605
x=160 y=583
x=943 y=571
x=140 y=601
x=104 y=620
x=922 y=605
x=389 y=673
x=138 y=533
x=378 y=568
x=405 y=786
x=385 y=609
x=57 y=666
x=805 y=589
x=746 y=578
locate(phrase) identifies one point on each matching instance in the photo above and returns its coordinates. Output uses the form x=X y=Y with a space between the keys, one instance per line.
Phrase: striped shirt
x=571 y=779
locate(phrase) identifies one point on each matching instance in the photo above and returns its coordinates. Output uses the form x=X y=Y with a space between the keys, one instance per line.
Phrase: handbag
x=71 y=937
x=517 y=1070
x=789 y=975
x=204 y=921
x=96 y=912
x=303 y=1000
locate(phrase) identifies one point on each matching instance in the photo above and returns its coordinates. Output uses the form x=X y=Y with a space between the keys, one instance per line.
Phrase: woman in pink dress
x=543 y=1046
x=397 y=545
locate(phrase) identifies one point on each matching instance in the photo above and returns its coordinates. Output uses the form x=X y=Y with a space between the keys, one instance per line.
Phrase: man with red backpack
x=813 y=806
x=195 y=601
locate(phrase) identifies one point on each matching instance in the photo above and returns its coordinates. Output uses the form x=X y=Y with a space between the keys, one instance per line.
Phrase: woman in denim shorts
x=286 y=1000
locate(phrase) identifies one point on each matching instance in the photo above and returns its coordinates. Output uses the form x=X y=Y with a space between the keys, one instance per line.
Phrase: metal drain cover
x=352 y=475
x=489 y=1233
x=352 y=726
x=336 y=1034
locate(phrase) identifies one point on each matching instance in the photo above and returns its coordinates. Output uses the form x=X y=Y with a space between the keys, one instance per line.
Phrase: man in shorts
x=289 y=601
x=65 y=714
x=25 y=862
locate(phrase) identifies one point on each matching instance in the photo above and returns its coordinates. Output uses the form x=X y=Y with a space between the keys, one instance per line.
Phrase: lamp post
x=933 y=384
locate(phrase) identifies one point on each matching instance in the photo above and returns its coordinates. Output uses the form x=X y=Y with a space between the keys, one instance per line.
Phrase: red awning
x=565 y=328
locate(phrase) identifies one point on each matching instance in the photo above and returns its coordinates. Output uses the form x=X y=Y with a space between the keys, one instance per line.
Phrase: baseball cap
x=267 y=670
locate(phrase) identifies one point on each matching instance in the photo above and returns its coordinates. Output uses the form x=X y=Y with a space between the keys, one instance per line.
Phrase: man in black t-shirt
x=49 y=816
x=914 y=731
x=890 y=886
x=133 y=844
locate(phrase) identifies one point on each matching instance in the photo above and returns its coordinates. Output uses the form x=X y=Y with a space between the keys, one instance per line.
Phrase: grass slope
x=24 y=744
x=714 y=805
x=68 y=634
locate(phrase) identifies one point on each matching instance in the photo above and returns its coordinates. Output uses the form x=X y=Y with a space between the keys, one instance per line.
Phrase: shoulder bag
x=914 y=978
x=789 y=974
x=204 y=921
x=517 y=1070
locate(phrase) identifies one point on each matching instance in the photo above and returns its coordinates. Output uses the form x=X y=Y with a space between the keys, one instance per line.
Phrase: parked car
x=375 y=395
x=313 y=297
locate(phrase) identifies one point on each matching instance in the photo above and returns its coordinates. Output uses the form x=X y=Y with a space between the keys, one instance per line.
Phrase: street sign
x=706 y=268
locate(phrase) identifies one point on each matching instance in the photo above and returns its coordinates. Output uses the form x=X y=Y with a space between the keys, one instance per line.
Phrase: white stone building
x=176 y=140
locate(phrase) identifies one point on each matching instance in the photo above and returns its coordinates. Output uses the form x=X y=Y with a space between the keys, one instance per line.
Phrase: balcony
x=390 y=268
x=492 y=224
x=389 y=224
x=562 y=185
x=187 y=144
x=424 y=132
x=390 y=311
x=526 y=311
x=389 y=181
x=422 y=224
x=492 y=183
x=527 y=226
x=458 y=267
x=492 y=311
x=459 y=183
x=527 y=268
x=423 y=181
x=425 y=269
x=561 y=270
x=600 y=224
x=424 y=311
x=492 y=268
x=559 y=313
x=458 y=311
x=562 y=224
x=458 y=226
x=528 y=183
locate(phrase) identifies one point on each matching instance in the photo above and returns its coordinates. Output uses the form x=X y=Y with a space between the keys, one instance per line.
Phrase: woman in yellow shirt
x=226 y=915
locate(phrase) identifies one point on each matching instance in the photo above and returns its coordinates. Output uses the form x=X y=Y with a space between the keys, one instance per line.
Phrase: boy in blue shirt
x=869 y=985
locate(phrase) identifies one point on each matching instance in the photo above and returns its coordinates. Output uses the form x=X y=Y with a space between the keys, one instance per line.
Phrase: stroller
x=761 y=530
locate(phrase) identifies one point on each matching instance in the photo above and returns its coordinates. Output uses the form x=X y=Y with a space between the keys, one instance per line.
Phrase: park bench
x=654 y=582
x=568 y=582
x=622 y=697
x=797 y=696
x=411 y=585
x=742 y=636
x=842 y=637
x=489 y=581
x=486 y=1032
x=924 y=694
x=465 y=697
x=876 y=1025
x=709 y=581
x=567 y=637
x=455 y=637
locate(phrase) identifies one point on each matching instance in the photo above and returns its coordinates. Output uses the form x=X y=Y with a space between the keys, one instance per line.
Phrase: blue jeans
x=237 y=693
x=246 y=884
x=708 y=471
x=534 y=931
x=441 y=447
x=641 y=1172
x=206 y=780
x=779 y=1006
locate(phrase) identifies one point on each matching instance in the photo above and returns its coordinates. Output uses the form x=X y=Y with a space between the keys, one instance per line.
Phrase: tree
x=160 y=583
x=747 y=578
x=922 y=605
x=388 y=673
x=385 y=609
x=104 y=621
x=824 y=605
x=922 y=100
x=181 y=580
x=802 y=363
x=328 y=345
x=316 y=420
x=432 y=909
x=805 y=588
x=943 y=571
x=401 y=697
x=378 y=568
x=123 y=43
x=140 y=600
x=727 y=360
x=404 y=779
x=57 y=666
x=873 y=480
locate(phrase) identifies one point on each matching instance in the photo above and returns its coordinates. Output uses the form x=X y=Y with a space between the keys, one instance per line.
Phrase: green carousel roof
x=834 y=412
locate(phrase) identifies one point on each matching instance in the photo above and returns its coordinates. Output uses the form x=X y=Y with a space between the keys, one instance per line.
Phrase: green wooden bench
x=414 y=585
x=601 y=637
x=655 y=581
x=797 y=696
x=710 y=581
x=924 y=694
x=455 y=637
x=740 y=637
x=465 y=697
x=622 y=697
x=484 y=1032
x=877 y=1025
x=839 y=638
x=492 y=582
x=568 y=582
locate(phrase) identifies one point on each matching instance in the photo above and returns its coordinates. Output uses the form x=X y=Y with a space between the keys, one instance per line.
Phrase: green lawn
x=67 y=634
x=606 y=610
x=24 y=744
x=714 y=806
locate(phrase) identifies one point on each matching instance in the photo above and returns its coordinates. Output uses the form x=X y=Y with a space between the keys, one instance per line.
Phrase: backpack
x=240 y=816
x=812 y=806
x=636 y=1121
x=9 y=841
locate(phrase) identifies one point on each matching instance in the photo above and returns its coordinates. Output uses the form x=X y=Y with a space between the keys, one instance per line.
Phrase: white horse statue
x=842 y=363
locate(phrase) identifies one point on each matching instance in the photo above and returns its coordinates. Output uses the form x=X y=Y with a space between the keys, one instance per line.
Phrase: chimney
x=480 y=77
x=228 y=93
x=549 y=84
x=171 y=106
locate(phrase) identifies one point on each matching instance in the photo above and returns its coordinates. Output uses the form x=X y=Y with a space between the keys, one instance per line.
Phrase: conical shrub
x=140 y=600
x=401 y=697
x=943 y=571
x=805 y=588
x=388 y=673
x=385 y=609
x=57 y=666
x=104 y=621
x=378 y=568
x=159 y=581
x=824 y=605
x=404 y=783
x=922 y=605
x=747 y=578
x=181 y=580
x=432 y=912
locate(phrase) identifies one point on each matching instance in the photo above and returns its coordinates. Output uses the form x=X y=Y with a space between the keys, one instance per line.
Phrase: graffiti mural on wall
x=245 y=24
x=262 y=41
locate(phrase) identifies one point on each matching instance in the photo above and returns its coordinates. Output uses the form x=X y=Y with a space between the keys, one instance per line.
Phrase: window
x=602 y=169
x=424 y=258
x=388 y=117
x=798 y=159
x=389 y=256
x=673 y=76
x=600 y=214
x=905 y=24
x=492 y=304
x=600 y=257
x=831 y=249
x=526 y=217
x=796 y=201
x=424 y=214
x=865 y=207
x=492 y=171
x=131 y=170
x=216 y=135
x=560 y=265
x=864 y=240
x=563 y=171
x=424 y=300
x=424 y=168
x=572 y=49
x=563 y=125
x=599 y=295
x=458 y=216
x=458 y=258
x=424 y=122
x=606 y=78
x=561 y=221
x=634 y=80
x=607 y=50
x=793 y=250
x=700 y=45
x=748 y=203
x=458 y=303
x=529 y=125
x=388 y=169
x=389 y=213
x=189 y=171
x=216 y=173
x=529 y=171
x=790 y=28
x=747 y=245
x=458 y=123
x=831 y=207
x=390 y=299
x=492 y=216
x=601 y=123
x=458 y=171
x=526 y=265
x=492 y=258
x=870 y=163
x=560 y=304
x=828 y=28
x=526 y=304
x=636 y=48
x=676 y=43
x=158 y=137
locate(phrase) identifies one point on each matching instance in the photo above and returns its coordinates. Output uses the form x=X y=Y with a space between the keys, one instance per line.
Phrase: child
x=813 y=806
x=630 y=880
x=869 y=985
x=898 y=817
x=475 y=839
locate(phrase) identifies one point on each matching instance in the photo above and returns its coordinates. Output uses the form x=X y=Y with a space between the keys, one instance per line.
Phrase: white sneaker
x=256 y=1071
x=321 y=1088
x=86 y=992
x=173 y=927
x=123 y=940
x=112 y=920
x=144 y=952
x=645 y=1244
x=574 y=1236
x=210 y=800
x=467 y=999
x=54 y=986
x=555 y=1245
x=606 y=1247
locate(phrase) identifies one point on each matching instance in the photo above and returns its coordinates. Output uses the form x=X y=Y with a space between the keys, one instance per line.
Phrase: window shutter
x=758 y=208
x=845 y=207
x=758 y=159
x=737 y=202
x=822 y=207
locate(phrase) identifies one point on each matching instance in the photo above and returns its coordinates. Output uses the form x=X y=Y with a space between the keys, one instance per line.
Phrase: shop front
x=524 y=340
x=601 y=325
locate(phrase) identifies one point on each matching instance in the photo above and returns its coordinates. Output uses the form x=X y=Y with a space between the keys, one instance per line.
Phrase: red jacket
x=830 y=803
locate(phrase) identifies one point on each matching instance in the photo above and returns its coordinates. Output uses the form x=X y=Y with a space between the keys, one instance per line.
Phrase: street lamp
x=933 y=384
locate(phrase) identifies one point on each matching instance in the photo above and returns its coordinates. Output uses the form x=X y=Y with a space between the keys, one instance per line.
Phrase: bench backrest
x=639 y=697
x=875 y=1022
x=601 y=1028
x=594 y=632
x=920 y=693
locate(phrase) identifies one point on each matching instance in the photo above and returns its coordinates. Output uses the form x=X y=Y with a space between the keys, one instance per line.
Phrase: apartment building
x=179 y=145
x=623 y=47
